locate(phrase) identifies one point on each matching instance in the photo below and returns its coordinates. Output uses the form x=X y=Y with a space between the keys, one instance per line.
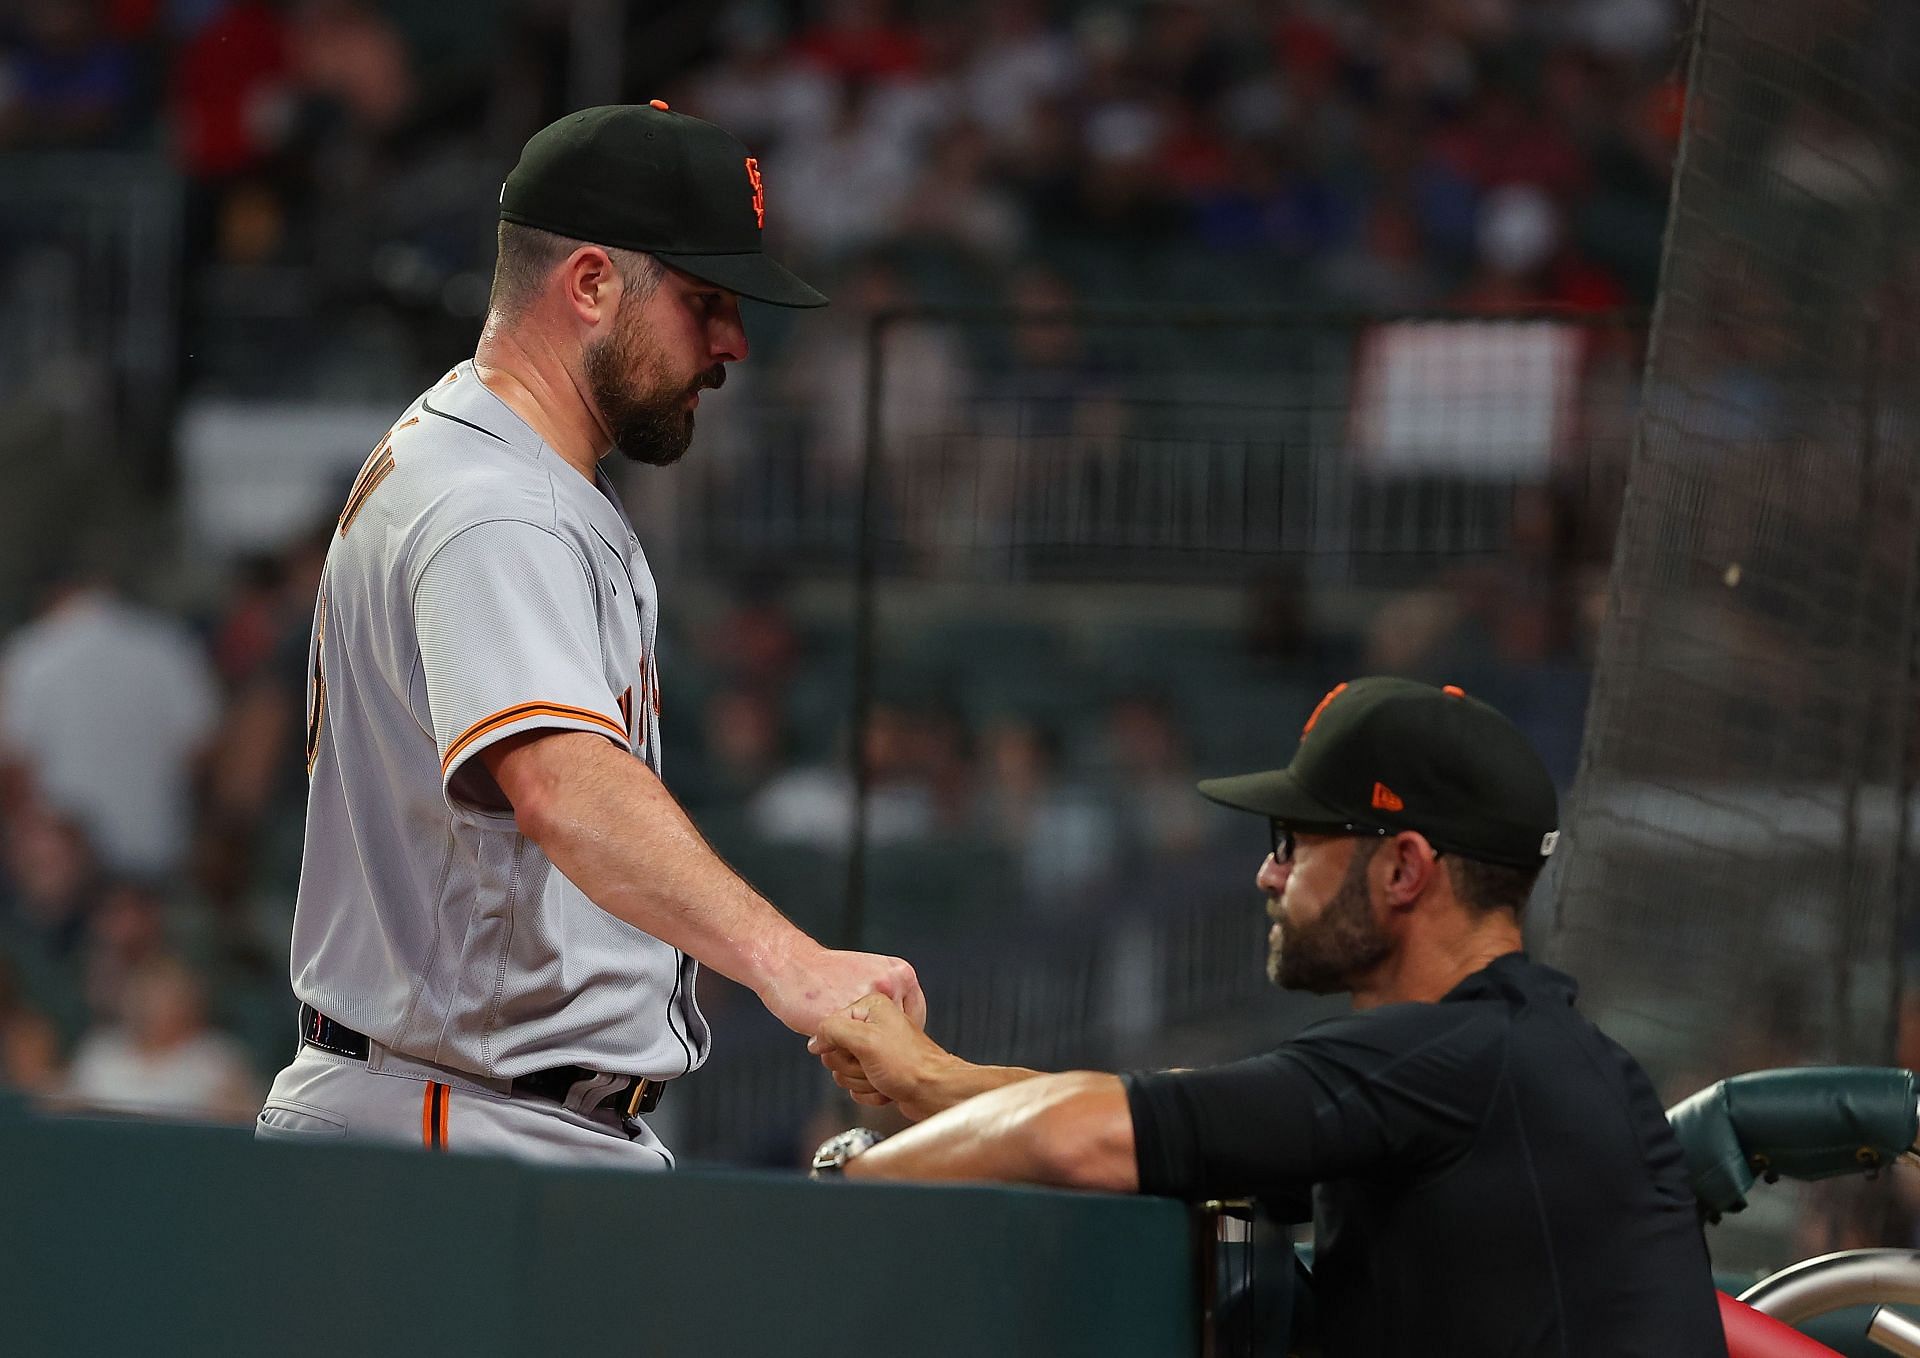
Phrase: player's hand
x=878 y=1054
x=824 y=982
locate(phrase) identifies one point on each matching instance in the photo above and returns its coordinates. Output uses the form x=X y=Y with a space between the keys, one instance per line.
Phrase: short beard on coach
x=1323 y=955
x=647 y=414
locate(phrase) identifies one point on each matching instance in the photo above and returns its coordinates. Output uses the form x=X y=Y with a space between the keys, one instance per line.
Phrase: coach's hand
x=821 y=982
x=878 y=1054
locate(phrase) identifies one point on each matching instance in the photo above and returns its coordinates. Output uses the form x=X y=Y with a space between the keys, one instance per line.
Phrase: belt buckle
x=641 y=1100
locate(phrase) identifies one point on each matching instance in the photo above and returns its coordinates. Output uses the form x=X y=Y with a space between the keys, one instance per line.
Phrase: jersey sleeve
x=509 y=642
x=1344 y=1099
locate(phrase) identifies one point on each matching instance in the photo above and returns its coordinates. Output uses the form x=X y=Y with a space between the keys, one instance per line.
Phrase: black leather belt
x=634 y=1094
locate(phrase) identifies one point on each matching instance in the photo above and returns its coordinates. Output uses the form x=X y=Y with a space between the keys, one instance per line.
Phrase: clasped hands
x=879 y=1054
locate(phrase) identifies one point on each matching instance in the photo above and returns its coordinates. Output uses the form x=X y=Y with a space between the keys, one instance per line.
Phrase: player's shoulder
x=460 y=457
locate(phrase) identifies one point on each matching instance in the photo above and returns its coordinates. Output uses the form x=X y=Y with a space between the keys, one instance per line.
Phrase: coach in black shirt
x=1492 y=1176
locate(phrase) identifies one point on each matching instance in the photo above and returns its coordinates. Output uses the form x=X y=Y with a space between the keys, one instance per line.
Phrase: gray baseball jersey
x=478 y=587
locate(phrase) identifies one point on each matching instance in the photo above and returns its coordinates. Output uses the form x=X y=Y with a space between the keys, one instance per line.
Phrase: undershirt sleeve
x=1392 y=1088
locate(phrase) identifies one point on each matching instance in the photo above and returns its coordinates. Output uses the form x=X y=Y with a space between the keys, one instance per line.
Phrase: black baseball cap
x=1392 y=754
x=642 y=177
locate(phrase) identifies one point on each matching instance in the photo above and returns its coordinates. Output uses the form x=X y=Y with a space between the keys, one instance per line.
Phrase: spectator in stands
x=841 y=192
x=254 y=809
x=752 y=641
x=941 y=758
x=109 y=708
x=51 y=881
x=1384 y=268
x=744 y=748
x=859 y=41
x=754 y=88
x=1048 y=420
x=1153 y=773
x=956 y=202
x=1021 y=62
x=230 y=92
x=72 y=84
x=1052 y=390
x=29 y=1043
x=927 y=380
x=162 y=1057
x=126 y=929
x=814 y=804
x=1525 y=259
x=1062 y=834
x=1268 y=202
x=350 y=64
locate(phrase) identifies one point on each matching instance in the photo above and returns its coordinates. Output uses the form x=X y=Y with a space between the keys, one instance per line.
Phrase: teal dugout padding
x=128 y=1238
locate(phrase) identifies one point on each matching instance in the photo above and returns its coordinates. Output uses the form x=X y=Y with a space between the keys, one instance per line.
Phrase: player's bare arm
x=612 y=827
x=1072 y=1130
x=880 y=1055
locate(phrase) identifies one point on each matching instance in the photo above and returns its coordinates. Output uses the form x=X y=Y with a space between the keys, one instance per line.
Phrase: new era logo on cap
x=1385 y=799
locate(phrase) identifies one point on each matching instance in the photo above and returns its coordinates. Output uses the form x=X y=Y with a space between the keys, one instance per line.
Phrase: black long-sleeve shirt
x=1493 y=1176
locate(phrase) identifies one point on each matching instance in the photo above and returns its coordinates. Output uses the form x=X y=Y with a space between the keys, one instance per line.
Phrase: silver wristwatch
x=835 y=1151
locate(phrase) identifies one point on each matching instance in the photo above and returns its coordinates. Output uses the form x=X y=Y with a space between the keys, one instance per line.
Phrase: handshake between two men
x=1000 y=1123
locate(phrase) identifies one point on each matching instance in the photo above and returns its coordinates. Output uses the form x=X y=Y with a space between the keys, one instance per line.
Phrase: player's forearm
x=618 y=835
x=1071 y=1130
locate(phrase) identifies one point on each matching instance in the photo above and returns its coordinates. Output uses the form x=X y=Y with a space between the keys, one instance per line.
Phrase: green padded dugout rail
x=125 y=1238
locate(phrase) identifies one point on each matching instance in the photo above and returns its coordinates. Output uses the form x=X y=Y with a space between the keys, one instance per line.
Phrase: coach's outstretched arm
x=1073 y=1130
x=612 y=827
x=982 y=1122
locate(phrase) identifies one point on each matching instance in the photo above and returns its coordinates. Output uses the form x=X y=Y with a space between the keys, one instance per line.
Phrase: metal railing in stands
x=1366 y=448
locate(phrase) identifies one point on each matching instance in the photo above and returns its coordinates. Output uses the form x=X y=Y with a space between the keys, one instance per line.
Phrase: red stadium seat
x=1753 y=1335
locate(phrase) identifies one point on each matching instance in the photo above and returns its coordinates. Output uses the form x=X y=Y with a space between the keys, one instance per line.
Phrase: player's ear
x=591 y=284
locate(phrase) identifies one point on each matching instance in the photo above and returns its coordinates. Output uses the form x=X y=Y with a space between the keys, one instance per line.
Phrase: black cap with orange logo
x=642 y=177
x=1393 y=754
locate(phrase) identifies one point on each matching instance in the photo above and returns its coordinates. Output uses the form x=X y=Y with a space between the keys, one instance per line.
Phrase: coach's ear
x=1406 y=864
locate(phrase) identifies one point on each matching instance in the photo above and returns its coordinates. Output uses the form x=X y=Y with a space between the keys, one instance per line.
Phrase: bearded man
x=1491 y=1175
x=502 y=908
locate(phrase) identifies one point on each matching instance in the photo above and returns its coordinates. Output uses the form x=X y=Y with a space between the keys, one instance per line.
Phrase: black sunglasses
x=1283 y=835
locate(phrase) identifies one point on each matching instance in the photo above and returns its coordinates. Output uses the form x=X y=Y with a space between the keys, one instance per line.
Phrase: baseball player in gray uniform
x=501 y=908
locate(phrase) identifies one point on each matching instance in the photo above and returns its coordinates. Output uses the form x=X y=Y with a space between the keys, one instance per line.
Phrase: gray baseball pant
x=388 y=1097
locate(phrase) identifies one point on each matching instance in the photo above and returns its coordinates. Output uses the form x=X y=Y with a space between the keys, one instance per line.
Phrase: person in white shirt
x=108 y=707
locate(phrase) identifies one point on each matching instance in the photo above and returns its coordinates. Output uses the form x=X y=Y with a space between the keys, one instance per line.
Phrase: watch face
x=835 y=1151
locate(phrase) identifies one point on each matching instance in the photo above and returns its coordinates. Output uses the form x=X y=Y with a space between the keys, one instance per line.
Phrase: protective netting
x=1740 y=864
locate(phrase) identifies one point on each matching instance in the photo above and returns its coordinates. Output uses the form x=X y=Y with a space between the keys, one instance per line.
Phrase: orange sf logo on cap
x=1337 y=690
x=759 y=193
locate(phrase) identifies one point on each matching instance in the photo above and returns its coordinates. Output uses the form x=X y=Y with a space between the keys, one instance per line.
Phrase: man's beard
x=1345 y=940
x=647 y=416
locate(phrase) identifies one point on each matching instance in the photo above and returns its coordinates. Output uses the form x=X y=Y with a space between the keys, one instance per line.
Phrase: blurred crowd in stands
x=340 y=158
x=1378 y=156
x=1025 y=779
